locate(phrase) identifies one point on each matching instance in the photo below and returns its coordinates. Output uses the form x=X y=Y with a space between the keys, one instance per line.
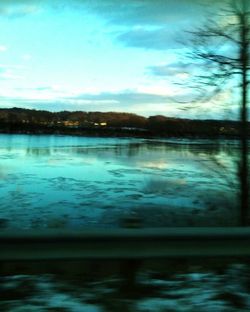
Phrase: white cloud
x=171 y=69
x=11 y=72
x=9 y=75
x=8 y=66
x=26 y=57
x=19 y=8
x=3 y=48
x=134 y=102
x=160 y=89
x=183 y=76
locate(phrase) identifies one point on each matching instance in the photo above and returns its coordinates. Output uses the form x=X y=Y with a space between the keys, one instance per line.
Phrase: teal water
x=74 y=182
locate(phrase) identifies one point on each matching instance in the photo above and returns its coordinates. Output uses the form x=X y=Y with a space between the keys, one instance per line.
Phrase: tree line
x=19 y=120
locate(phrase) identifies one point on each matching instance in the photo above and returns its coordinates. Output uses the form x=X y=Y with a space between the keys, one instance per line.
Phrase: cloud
x=124 y=97
x=18 y=8
x=146 y=12
x=26 y=57
x=157 y=39
x=172 y=69
x=145 y=104
x=3 y=48
x=9 y=75
x=132 y=12
x=11 y=72
x=44 y=98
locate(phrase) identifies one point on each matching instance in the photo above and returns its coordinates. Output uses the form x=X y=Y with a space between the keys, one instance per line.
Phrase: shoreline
x=119 y=133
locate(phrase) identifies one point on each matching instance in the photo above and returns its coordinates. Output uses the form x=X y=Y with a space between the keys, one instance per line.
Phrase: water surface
x=66 y=181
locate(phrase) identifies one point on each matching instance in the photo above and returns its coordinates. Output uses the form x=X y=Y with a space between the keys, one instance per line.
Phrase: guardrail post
x=129 y=268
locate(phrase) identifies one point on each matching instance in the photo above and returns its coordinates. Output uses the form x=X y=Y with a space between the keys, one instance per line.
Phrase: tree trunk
x=244 y=116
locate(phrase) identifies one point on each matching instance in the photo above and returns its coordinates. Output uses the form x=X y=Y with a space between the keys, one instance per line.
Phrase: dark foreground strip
x=124 y=243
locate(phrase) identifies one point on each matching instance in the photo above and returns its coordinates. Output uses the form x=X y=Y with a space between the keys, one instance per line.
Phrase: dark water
x=64 y=181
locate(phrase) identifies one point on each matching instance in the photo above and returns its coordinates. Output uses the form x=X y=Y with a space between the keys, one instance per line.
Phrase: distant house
x=45 y=123
x=100 y=124
x=69 y=123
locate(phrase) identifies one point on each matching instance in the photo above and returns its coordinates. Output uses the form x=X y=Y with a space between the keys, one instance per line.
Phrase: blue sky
x=105 y=55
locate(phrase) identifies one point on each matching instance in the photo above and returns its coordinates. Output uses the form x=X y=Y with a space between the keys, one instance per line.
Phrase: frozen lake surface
x=74 y=182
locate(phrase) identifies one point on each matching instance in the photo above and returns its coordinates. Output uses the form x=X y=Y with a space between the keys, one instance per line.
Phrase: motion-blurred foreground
x=166 y=286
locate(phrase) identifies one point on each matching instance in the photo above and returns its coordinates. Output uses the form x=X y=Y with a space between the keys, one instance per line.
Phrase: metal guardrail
x=124 y=243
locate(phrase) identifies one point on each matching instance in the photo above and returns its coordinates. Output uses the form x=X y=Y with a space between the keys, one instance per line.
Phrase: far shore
x=117 y=124
x=119 y=133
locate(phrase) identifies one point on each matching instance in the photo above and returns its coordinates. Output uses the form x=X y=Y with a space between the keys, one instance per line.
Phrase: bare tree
x=221 y=48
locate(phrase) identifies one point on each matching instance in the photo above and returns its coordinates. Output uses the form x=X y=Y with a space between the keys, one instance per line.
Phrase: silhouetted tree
x=221 y=47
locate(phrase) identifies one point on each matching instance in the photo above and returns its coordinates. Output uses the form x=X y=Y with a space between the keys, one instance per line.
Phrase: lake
x=52 y=181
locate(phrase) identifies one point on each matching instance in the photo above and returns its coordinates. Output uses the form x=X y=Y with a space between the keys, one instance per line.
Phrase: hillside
x=19 y=120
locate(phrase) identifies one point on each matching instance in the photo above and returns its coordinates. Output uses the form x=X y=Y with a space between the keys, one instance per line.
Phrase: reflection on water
x=67 y=181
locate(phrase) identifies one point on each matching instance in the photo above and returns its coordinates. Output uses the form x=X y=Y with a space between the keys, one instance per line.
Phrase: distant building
x=100 y=124
x=69 y=123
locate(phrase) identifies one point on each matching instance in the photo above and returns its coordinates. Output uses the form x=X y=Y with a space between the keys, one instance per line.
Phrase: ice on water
x=67 y=181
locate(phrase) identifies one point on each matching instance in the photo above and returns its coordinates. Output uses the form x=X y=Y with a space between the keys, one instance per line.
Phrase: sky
x=102 y=55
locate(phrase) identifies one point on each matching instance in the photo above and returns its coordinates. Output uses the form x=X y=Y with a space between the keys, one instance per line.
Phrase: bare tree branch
x=221 y=51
